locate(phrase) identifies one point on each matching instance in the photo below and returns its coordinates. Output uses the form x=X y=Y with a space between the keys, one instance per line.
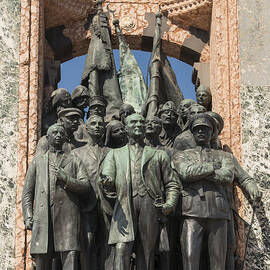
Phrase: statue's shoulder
x=40 y=158
x=79 y=149
x=119 y=150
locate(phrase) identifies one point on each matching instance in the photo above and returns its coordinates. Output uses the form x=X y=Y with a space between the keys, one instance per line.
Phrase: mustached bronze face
x=135 y=126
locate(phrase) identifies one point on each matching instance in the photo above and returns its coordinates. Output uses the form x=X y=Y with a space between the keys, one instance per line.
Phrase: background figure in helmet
x=125 y=111
x=80 y=98
x=170 y=129
x=60 y=99
x=186 y=140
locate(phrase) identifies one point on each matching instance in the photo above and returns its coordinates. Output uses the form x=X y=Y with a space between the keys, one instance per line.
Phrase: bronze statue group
x=130 y=190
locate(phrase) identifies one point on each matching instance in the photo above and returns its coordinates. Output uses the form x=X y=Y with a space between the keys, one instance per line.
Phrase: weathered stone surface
x=9 y=51
x=30 y=96
x=75 y=17
x=254 y=32
x=196 y=13
x=256 y=152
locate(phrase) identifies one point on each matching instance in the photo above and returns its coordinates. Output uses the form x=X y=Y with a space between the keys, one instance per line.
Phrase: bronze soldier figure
x=70 y=119
x=207 y=174
x=99 y=74
x=186 y=140
x=50 y=201
x=147 y=189
x=60 y=99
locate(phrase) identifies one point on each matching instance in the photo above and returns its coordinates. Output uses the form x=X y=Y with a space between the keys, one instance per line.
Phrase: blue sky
x=71 y=71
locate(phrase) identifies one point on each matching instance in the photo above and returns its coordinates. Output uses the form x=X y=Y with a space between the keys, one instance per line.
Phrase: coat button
x=61 y=202
x=41 y=205
x=42 y=191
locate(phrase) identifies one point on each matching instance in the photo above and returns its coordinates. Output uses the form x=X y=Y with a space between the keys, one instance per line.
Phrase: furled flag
x=131 y=81
x=163 y=85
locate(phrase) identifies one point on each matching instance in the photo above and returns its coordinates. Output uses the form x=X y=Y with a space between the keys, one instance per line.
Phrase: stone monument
x=220 y=35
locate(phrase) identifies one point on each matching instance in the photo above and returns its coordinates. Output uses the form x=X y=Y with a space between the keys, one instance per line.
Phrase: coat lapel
x=65 y=160
x=45 y=166
x=92 y=152
x=148 y=153
x=125 y=162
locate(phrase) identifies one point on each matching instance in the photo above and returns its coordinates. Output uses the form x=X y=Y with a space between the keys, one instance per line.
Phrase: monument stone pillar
x=240 y=84
x=254 y=51
x=9 y=77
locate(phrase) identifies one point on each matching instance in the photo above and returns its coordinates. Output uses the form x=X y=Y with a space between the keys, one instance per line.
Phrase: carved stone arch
x=184 y=38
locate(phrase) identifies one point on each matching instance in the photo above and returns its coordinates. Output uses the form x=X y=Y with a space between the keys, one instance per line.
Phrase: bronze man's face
x=81 y=102
x=135 y=126
x=152 y=126
x=97 y=109
x=168 y=117
x=95 y=126
x=125 y=111
x=118 y=132
x=65 y=100
x=202 y=134
x=70 y=122
x=56 y=136
x=194 y=110
x=203 y=98
x=184 y=108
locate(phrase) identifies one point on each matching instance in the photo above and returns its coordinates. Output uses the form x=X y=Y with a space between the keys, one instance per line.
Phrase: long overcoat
x=161 y=182
x=64 y=204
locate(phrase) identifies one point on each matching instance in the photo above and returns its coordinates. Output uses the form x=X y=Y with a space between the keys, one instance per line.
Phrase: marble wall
x=9 y=51
x=256 y=152
x=254 y=46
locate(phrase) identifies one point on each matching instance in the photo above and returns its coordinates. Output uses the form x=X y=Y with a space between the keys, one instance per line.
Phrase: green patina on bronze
x=131 y=81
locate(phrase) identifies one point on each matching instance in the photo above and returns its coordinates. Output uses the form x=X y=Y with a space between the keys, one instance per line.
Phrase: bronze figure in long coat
x=66 y=205
x=51 y=202
x=146 y=188
x=157 y=175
